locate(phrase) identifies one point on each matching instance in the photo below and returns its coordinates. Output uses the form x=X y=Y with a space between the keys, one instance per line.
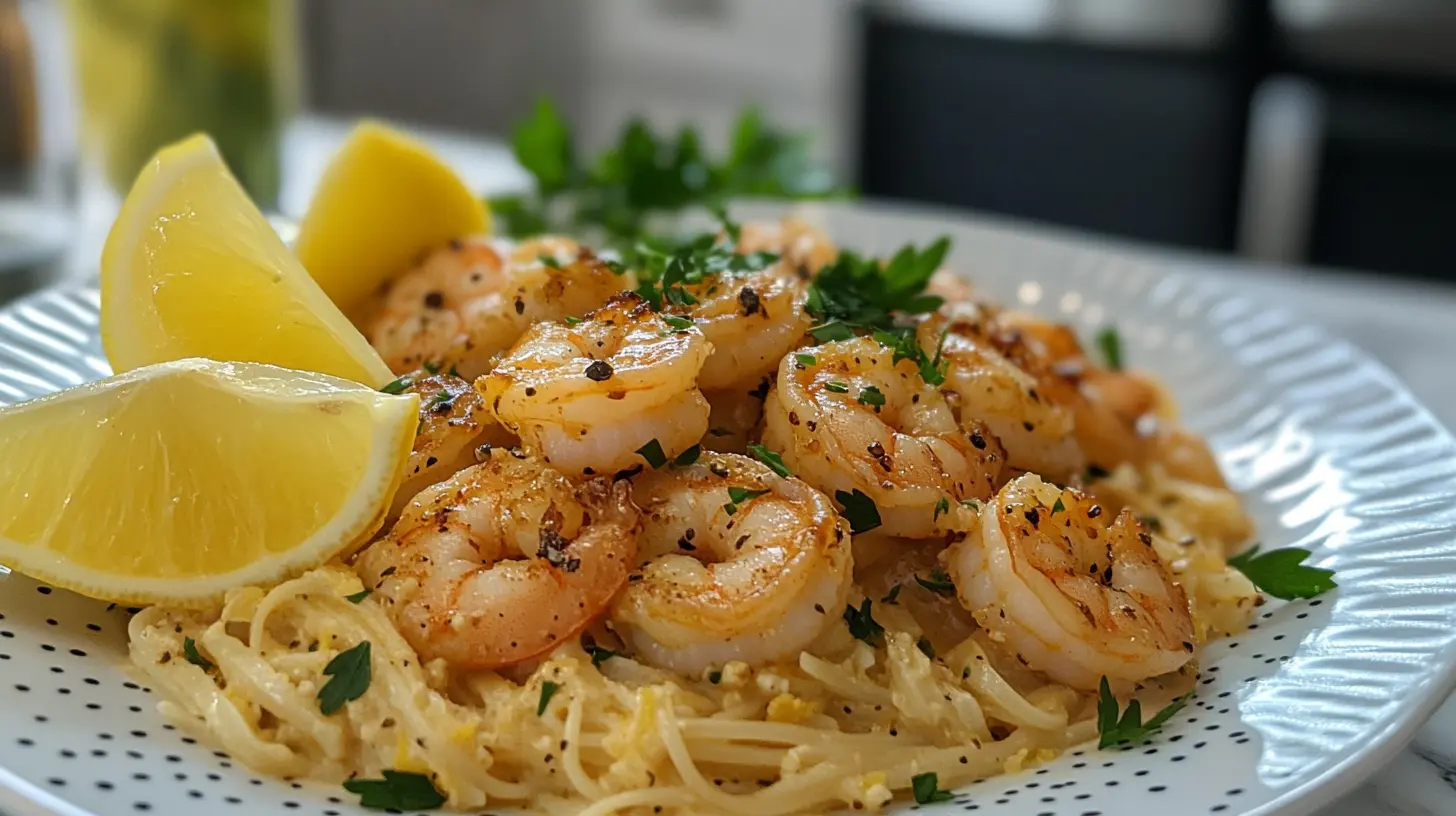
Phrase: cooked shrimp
x=734 y=417
x=503 y=561
x=853 y=419
x=453 y=422
x=752 y=577
x=985 y=387
x=752 y=320
x=805 y=248
x=470 y=301
x=589 y=397
x=1074 y=595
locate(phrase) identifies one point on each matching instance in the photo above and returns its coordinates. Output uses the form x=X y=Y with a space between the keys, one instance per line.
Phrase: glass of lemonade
x=154 y=71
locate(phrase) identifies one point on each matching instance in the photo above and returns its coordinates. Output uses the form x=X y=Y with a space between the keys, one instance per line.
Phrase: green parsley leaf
x=519 y=215
x=902 y=342
x=862 y=623
x=859 y=510
x=677 y=323
x=926 y=647
x=431 y=368
x=349 y=676
x=971 y=503
x=870 y=395
x=860 y=292
x=1130 y=727
x=548 y=690
x=572 y=321
x=652 y=452
x=358 y=596
x=1110 y=342
x=941 y=507
x=837 y=387
x=739 y=495
x=598 y=657
x=893 y=596
x=926 y=788
x=805 y=359
x=715 y=677
x=939 y=582
x=688 y=456
x=399 y=384
x=549 y=260
x=398 y=790
x=1282 y=573
x=773 y=460
x=542 y=144
x=832 y=331
x=189 y=650
x=1058 y=506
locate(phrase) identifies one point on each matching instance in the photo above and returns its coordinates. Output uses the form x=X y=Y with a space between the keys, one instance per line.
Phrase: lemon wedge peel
x=384 y=200
x=77 y=508
x=191 y=268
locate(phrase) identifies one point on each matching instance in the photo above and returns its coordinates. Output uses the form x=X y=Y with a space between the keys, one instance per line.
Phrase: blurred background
x=1319 y=132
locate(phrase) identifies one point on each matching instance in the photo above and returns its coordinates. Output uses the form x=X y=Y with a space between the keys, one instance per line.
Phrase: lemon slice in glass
x=176 y=482
x=384 y=199
x=192 y=269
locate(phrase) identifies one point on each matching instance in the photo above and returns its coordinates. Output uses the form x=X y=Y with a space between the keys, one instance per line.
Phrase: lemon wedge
x=192 y=269
x=177 y=482
x=384 y=199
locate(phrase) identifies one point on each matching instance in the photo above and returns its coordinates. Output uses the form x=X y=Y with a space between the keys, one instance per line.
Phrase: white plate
x=1330 y=452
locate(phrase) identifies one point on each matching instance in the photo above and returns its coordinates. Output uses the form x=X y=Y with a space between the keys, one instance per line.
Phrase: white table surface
x=1410 y=327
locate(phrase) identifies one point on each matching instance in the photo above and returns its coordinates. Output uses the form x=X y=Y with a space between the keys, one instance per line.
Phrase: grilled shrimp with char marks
x=752 y=576
x=854 y=419
x=471 y=300
x=1074 y=594
x=588 y=397
x=503 y=561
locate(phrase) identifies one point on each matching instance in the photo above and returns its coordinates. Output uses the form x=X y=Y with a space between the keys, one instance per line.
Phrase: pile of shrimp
x=692 y=512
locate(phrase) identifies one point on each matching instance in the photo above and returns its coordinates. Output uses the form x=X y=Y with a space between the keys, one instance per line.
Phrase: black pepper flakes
x=748 y=299
x=599 y=371
x=434 y=300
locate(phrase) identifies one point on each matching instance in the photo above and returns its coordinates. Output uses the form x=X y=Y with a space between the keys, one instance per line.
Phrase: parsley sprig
x=1282 y=573
x=646 y=172
x=1130 y=727
x=857 y=293
x=926 y=788
x=862 y=623
x=666 y=267
x=349 y=677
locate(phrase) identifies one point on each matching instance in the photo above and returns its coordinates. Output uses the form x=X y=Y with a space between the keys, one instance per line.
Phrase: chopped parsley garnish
x=349 y=675
x=939 y=582
x=666 y=267
x=358 y=596
x=572 y=321
x=862 y=623
x=941 y=507
x=860 y=293
x=598 y=657
x=859 y=510
x=1130 y=727
x=837 y=387
x=1058 y=506
x=1110 y=342
x=805 y=359
x=688 y=456
x=1282 y=573
x=189 y=650
x=548 y=690
x=870 y=395
x=431 y=368
x=549 y=260
x=715 y=677
x=399 y=384
x=902 y=342
x=398 y=790
x=832 y=331
x=739 y=495
x=893 y=596
x=652 y=452
x=926 y=647
x=677 y=323
x=646 y=172
x=926 y=788
x=773 y=460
